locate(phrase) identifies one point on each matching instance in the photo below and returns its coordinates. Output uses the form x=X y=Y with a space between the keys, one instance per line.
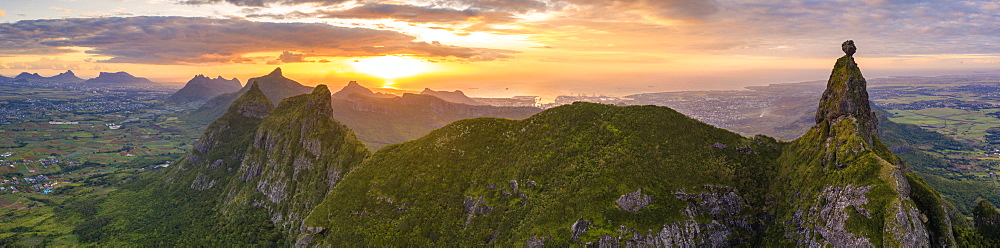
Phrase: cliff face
x=297 y=154
x=263 y=164
x=218 y=153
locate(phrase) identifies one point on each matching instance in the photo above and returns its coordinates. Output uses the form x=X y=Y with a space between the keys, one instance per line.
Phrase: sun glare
x=391 y=67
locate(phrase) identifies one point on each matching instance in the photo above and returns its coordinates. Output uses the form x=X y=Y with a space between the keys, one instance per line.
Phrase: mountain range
x=274 y=86
x=65 y=77
x=201 y=88
x=583 y=174
x=378 y=119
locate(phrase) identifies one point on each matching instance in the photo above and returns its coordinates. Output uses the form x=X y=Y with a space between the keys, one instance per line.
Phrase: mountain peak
x=456 y=96
x=846 y=94
x=321 y=90
x=253 y=103
x=353 y=88
x=276 y=72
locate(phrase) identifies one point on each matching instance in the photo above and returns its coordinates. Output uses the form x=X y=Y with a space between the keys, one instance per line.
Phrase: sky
x=500 y=48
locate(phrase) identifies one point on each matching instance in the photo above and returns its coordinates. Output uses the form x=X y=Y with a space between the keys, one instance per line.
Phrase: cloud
x=400 y=12
x=514 y=6
x=44 y=63
x=191 y=40
x=289 y=57
x=264 y=3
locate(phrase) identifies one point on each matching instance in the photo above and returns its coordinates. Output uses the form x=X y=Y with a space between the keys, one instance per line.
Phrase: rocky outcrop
x=474 y=206
x=848 y=47
x=826 y=222
x=714 y=215
x=634 y=201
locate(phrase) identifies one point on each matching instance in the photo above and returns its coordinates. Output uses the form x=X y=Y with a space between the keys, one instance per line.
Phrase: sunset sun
x=391 y=67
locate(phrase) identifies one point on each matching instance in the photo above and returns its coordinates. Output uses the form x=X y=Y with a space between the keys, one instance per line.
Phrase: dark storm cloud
x=173 y=40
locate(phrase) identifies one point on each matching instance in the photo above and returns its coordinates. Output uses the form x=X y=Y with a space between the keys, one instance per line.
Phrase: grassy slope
x=582 y=157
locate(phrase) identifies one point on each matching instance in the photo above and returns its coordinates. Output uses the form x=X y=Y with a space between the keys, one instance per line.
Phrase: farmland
x=66 y=133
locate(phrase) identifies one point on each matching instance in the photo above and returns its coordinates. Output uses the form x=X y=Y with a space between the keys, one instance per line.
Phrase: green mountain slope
x=256 y=171
x=639 y=175
x=504 y=182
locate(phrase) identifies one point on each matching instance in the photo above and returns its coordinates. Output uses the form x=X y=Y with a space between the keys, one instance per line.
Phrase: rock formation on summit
x=848 y=47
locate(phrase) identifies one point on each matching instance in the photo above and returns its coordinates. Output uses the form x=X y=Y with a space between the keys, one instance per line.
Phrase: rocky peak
x=276 y=72
x=253 y=103
x=846 y=95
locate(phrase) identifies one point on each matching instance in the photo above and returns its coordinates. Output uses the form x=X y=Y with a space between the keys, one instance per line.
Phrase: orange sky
x=500 y=48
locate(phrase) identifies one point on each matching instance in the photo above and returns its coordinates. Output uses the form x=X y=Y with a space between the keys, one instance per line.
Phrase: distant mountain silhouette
x=201 y=88
x=28 y=76
x=117 y=78
x=456 y=96
x=274 y=85
x=354 y=88
x=66 y=77
x=380 y=121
